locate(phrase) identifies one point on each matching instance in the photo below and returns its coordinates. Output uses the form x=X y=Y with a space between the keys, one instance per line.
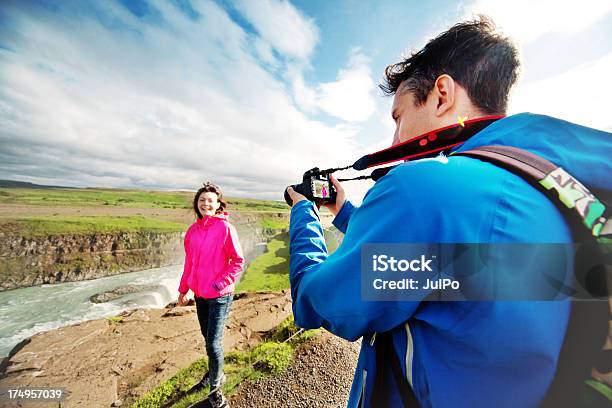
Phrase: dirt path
x=100 y=361
x=320 y=376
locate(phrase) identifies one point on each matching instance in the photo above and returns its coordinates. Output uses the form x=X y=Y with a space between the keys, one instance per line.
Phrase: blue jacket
x=454 y=354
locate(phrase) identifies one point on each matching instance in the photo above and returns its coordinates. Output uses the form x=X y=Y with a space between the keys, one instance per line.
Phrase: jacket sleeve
x=183 y=286
x=326 y=291
x=233 y=252
x=344 y=215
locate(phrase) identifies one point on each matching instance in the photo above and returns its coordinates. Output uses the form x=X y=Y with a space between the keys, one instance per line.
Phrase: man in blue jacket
x=452 y=354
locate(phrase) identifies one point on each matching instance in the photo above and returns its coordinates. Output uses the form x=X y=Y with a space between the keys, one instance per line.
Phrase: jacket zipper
x=363 y=387
x=409 y=354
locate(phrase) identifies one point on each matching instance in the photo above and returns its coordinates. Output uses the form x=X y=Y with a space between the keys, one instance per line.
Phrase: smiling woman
x=213 y=263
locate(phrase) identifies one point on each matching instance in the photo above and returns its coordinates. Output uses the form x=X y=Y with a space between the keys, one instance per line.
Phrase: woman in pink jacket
x=213 y=262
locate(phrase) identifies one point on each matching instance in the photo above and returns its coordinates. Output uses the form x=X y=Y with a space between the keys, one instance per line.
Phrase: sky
x=168 y=94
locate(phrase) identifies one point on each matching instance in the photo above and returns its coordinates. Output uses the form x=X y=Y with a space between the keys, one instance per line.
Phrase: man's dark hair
x=209 y=187
x=484 y=63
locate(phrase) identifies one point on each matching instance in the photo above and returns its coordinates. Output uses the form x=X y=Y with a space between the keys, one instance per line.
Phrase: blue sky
x=249 y=94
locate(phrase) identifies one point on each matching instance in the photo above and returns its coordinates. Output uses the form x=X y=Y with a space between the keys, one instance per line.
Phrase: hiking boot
x=205 y=382
x=217 y=400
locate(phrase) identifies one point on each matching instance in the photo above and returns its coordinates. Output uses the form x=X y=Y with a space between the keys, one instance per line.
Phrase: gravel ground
x=319 y=376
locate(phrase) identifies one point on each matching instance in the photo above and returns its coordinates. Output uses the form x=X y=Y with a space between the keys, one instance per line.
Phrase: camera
x=316 y=186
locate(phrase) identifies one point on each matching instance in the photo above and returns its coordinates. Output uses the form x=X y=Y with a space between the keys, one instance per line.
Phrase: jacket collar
x=211 y=218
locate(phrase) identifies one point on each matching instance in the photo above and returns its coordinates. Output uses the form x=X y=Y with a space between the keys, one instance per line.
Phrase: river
x=25 y=312
x=28 y=311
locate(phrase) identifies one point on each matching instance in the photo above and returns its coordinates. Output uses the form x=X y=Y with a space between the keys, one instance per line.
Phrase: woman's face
x=208 y=203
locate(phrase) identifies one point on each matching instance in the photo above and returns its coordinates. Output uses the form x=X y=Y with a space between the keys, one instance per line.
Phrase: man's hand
x=181 y=299
x=340 y=197
x=295 y=196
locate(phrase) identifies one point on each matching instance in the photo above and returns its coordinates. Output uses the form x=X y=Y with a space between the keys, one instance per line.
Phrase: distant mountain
x=24 y=184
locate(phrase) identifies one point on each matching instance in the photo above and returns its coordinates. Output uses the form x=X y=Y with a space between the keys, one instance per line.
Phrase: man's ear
x=444 y=92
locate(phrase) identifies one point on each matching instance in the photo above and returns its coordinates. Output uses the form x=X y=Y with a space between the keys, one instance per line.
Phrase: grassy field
x=95 y=197
x=246 y=204
x=48 y=211
x=270 y=271
x=40 y=226
x=275 y=223
x=88 y=197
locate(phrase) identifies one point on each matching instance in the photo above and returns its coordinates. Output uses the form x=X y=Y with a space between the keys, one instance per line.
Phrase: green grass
x=96 y=197
x=246 y=204
x=271 y=357
x=180 y=382
x=40 y=226
x=269 y=271
x=124 y=198
x=275 y=223
x=286 y=329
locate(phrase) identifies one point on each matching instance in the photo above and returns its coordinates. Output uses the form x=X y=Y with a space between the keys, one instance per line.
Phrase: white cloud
x=527 y=20
x=580 y=95
x=264 y=51
x=283 y=26
x=559 y=87
x=152 y=105
x=350 y=97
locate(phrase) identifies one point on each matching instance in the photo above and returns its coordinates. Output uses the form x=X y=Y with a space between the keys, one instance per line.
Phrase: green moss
x=287 y=329
x=284 y=330
x=175 y=386
x=115 y=319
x=273 y=357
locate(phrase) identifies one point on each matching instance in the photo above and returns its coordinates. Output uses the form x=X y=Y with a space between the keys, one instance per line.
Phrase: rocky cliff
x=29 y=261
x=100 y=361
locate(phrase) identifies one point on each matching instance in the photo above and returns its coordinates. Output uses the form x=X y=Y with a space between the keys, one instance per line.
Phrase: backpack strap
x=588 y=209
x=385 y=359
x=589 y=219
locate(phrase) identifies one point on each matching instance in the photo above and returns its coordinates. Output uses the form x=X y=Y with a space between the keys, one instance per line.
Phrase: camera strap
x=429 y=144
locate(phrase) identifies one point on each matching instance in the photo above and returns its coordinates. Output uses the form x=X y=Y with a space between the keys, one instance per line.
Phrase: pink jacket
x=213 y=257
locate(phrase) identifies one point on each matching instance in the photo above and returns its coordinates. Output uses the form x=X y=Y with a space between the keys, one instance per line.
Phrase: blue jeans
x=211 y=315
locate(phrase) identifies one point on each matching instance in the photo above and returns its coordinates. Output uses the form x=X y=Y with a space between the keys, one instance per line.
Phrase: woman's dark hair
x=486 y=64
x=209 y=188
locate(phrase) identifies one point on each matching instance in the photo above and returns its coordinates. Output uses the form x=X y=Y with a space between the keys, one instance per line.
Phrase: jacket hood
x=583 y=152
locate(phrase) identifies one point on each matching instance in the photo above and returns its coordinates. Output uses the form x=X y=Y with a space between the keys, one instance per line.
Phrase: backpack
x=589 y=320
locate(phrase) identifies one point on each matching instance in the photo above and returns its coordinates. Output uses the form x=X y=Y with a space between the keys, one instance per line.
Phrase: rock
x=120 y=291
x=137 y=316
x=117 y=403
x=179 y=311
